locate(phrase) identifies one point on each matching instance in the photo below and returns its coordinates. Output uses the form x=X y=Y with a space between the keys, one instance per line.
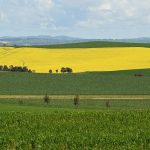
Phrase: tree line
x=25 y=69
x=62 y=70
x=15 y=68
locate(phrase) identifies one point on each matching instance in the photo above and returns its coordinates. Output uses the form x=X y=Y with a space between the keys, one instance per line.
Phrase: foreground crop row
x=76 y=129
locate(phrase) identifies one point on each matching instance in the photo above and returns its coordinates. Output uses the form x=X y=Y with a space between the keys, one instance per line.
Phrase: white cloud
x=45 y=23
x=89 y=23
x=114 y=11
x=45 y=4
x=75 y=15
x=3 y=17
x=103 y=7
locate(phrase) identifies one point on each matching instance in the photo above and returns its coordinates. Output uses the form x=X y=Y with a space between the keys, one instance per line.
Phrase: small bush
x=76 y=100
x=20 y=102
x=46 y=99
x=108 y=104
x=50 y=71
x=66 y=70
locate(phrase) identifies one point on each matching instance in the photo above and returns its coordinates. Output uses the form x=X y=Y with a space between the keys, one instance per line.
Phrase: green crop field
x=107 y=83
x=32 y=124
x=64 y=129
x=27 y=124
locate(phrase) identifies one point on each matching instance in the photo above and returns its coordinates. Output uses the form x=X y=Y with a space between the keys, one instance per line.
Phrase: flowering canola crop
x=79 y=59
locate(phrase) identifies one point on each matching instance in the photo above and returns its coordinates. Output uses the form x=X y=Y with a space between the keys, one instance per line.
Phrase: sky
x=77 y=18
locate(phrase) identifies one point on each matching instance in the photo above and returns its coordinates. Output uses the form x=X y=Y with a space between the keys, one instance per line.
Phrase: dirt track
x=92 y=97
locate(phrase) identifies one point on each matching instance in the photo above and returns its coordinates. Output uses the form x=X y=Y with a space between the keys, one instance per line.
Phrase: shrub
x=20 y=102
x=69 y=70
x=76 y=100
x=108 y=104
x=66 y=70
x=46 y=99
x=50 y=71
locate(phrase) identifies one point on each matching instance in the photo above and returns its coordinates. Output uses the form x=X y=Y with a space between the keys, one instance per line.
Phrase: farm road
x=65 y=97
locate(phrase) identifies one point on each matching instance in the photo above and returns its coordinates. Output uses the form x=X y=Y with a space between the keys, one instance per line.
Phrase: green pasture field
x=96 y=44
x=89 y=83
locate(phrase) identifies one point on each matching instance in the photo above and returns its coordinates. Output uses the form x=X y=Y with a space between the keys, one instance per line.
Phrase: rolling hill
x=95 y=44
x=51 y=40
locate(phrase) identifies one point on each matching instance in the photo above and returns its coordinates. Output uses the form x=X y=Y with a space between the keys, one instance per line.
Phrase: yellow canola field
x=79 y=59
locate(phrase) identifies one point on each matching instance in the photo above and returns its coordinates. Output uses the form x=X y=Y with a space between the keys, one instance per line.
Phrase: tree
x=25 y=69
x=5 y=68
x=66 y=70
x=11 y=68
x=1 y=68
x=108 y=104
x=76 y=100
x=57 y=71
x=69 y=70
x=50 y=71
x=63 y=70
x=30 y=71
x=46 y=99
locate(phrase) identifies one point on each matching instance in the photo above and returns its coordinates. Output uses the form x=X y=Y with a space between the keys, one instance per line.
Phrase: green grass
x=83 y=104
x=96 y=44
x=78 y=130
x=115 y=83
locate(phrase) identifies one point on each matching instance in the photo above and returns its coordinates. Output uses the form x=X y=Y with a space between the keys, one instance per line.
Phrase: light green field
x=32 y=124
x=25 y=127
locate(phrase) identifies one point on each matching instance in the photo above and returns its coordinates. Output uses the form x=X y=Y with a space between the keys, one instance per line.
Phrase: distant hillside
x=96 y=44
x=134 y=40
x=51 y=40
x=38 y=40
